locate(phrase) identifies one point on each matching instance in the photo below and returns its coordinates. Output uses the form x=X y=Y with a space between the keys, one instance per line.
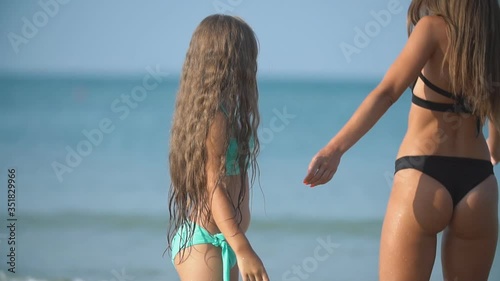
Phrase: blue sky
x=297 y=38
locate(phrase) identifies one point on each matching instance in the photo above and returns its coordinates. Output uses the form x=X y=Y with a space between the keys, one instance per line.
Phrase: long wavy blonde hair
x=473 y=53
x=219 y=73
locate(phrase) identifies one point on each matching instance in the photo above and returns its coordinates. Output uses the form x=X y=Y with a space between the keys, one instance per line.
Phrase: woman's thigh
x=469 y=243
x=419 y=207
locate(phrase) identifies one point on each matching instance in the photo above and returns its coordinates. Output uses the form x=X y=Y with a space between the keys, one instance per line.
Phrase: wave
x=9 y=277
x=156 y=222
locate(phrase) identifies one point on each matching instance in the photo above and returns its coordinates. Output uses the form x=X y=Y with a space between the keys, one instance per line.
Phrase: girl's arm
x=220 y=203
x=223 y=211
x=421 y=45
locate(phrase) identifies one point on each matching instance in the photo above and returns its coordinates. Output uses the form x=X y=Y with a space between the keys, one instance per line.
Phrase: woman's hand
x=250 y=266
x=322 y=167
x=494 y=151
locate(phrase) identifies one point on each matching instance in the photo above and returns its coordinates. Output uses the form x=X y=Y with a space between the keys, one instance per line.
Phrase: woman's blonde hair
x=219 y=73
x=473 y=53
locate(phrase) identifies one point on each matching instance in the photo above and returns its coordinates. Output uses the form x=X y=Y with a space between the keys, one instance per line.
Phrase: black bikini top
x=459 y=106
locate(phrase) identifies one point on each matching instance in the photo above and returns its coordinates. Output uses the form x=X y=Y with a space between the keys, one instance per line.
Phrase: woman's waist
x=439 y=142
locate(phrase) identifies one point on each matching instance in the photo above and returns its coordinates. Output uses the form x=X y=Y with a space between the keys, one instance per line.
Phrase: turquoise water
x=103 y=214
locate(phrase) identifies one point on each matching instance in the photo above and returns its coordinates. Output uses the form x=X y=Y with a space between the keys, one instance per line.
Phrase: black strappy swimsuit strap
x=459 y=106
x=434 y=106
x=435 y=88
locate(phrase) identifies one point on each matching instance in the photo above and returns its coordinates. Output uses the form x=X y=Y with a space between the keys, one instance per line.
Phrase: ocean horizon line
x=175 y=77
x=75 y=218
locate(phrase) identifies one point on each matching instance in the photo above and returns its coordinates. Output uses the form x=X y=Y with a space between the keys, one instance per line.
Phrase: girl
x=213 y=144
x=452 y=62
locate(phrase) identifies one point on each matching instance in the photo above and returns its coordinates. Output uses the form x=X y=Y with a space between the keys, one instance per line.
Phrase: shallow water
x=105 y=216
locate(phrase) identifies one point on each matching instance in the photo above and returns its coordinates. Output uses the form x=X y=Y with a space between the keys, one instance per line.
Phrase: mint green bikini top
x=232 y=167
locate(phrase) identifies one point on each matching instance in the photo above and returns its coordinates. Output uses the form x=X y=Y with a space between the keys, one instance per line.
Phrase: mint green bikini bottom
x=201 y=236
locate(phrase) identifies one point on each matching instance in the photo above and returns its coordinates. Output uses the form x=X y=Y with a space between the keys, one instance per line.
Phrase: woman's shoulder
x=433 y=29
x=434 y=23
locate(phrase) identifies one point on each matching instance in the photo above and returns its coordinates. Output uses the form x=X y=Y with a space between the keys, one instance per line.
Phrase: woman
x=213 y=144
x=444 y=171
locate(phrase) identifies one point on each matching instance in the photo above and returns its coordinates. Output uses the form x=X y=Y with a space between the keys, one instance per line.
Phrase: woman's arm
x=494 y=142
x=421 y=45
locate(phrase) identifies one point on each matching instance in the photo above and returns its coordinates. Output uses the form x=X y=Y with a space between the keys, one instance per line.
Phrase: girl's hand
x=322 y=167
x=494 y=151
x=251 y=267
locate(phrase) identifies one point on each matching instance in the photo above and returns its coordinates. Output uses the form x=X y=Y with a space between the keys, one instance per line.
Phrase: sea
x=87 y=196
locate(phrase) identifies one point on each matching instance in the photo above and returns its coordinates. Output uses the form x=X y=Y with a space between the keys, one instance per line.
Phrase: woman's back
x=432 y=132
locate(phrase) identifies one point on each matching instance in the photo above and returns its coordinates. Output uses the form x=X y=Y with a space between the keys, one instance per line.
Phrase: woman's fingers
x=318 y=178
x=321 y=169
x=327 y=176
x=312 y=171
x=265 y=277
x=322 y=174
x=316 y=173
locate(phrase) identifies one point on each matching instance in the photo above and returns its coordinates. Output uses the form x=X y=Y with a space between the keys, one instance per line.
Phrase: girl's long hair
x=473 y=53
x=219 y=74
